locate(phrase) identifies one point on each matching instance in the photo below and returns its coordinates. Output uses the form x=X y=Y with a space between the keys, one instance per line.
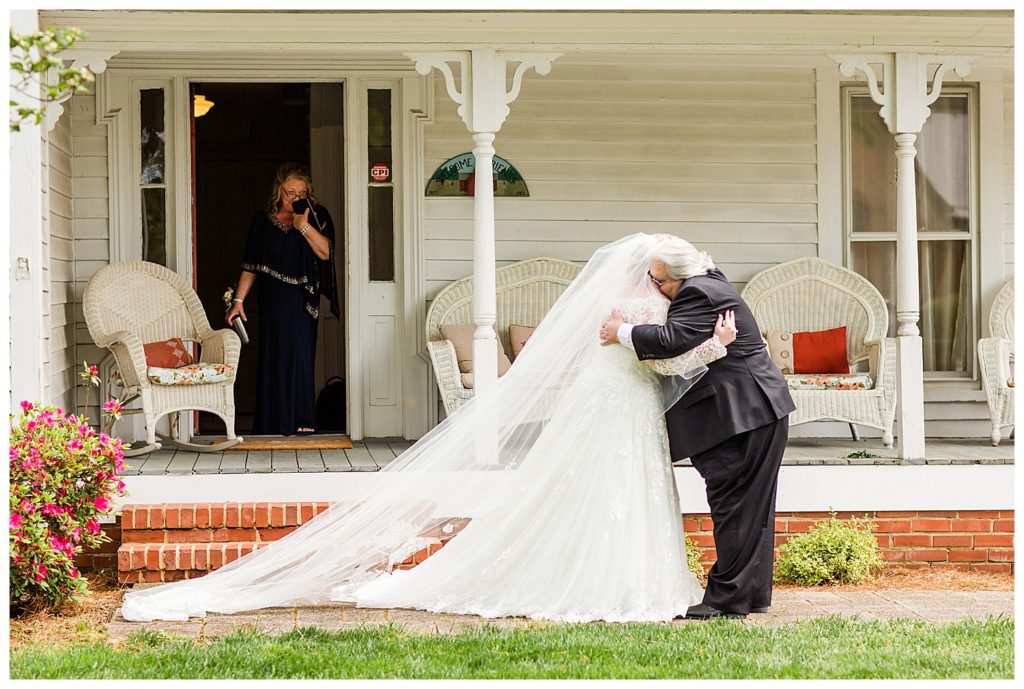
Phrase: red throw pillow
x=168 y=354
x=821 y=351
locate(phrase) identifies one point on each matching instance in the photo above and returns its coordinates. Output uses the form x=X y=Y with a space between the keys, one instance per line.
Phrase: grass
x=822 y=648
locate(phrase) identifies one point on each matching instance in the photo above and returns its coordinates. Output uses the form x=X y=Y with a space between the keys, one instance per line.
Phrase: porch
x=374 y=455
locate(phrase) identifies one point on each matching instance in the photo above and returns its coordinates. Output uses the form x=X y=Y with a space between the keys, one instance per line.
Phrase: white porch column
x=26 y=246
x=904 y=99
x=483 y=97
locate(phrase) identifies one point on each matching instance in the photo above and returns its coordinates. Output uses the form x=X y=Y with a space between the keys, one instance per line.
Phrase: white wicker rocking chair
x=132 y=303
x=995 y=353
x=525 y=292
x=809 y=294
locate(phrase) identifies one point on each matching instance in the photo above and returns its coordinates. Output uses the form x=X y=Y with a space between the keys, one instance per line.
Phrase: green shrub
x=64 y=478
x=693 y=560
x=831 y=552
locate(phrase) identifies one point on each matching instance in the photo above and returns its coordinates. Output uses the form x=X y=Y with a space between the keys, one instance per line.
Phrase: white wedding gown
x=596 y=535
x=573 y=517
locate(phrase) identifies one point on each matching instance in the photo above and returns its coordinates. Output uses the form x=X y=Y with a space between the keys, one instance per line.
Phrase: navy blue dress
x=290 y=279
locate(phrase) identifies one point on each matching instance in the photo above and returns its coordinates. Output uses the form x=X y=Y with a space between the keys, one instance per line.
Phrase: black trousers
x=741 y=475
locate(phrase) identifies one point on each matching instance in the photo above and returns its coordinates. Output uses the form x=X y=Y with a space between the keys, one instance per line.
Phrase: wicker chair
x=132 y=303
x=995 y=354
x=525 y=292
x=810 y=294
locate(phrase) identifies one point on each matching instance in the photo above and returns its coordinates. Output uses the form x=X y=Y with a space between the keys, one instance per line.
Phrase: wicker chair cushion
x=461 y=336
x=167 y=354
x=831 y=381
x=517 y=337
x=820 y=351
x=196 y=374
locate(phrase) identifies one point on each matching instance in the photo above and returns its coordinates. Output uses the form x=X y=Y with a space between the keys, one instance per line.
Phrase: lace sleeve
x=704 y=353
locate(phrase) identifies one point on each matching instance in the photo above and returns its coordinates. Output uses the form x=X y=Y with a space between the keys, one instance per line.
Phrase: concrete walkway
x=789 y=606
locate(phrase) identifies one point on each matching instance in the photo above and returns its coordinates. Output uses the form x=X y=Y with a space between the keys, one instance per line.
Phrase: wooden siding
x=721 y=156
x=58 y=266
x=91 y=229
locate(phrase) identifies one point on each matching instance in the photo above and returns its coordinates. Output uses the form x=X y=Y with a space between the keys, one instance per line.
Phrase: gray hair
x=682 y=260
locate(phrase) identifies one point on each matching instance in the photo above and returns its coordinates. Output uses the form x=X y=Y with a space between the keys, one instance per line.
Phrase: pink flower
x=75 y=445
x=51 y=510
x=93 y=370
x=76 y=533
x=73 y=572
x=27 y=507
x=93 y=526
x=112 y=406
x=101 y=504
x=15 y=521
x=40 y=572
x=26 y=405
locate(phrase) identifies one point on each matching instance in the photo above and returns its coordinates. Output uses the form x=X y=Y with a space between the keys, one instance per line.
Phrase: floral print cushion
x=830 y=381
x=193 y=374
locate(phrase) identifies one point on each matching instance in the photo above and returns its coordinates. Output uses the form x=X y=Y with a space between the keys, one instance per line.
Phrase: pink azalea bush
x=64 y=476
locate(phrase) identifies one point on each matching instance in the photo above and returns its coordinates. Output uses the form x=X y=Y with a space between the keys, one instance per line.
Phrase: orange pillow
x=168 y=354
x=821 y=351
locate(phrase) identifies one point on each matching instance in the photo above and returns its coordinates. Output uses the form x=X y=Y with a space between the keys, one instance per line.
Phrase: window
x=947 y=219
x=381 y=188
x=153 y=175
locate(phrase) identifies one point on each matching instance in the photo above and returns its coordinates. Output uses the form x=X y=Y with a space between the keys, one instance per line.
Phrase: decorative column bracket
x=485 y=94
x=95 y=59
x=904 y=80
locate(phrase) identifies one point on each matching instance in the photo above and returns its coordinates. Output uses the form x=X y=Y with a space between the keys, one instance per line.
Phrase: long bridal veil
x=473 y=462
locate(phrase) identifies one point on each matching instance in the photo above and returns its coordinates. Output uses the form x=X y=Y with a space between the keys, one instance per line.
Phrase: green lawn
x=824 y=648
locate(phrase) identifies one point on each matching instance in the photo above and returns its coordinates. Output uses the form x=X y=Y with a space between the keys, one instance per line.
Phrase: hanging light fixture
x=201 y=106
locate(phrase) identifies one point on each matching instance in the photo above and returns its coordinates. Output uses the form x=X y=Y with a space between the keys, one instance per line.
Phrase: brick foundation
x=179 y=541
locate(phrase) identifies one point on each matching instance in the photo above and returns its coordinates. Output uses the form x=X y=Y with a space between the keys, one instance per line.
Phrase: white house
x=760 y=137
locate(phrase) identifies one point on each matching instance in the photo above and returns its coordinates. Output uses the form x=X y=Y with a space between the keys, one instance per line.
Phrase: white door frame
x=413 y=99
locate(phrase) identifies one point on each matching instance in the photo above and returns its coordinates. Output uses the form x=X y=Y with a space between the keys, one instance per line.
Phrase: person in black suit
x=733 y=424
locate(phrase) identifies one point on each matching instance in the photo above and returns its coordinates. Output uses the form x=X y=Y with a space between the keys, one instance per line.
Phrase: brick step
x=219 y=515
x=153 y=562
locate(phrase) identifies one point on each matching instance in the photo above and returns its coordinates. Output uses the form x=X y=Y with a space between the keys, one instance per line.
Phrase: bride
x=554 y=489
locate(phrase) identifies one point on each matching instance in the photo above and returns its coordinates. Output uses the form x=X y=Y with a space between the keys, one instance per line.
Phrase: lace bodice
x=654 y=310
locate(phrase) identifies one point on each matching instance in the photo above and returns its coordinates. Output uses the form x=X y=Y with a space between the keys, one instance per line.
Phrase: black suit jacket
x=740 y=392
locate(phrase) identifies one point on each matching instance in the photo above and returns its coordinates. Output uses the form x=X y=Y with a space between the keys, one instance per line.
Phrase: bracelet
x=236 y=299
x=305 y=229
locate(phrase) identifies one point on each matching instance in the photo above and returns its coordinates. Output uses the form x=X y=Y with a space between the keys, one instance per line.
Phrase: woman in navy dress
x=290 y=258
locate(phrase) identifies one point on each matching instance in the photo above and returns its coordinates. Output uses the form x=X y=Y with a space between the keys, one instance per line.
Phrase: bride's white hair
x=682 y=260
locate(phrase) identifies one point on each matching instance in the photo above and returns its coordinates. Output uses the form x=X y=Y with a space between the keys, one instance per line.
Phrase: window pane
x=154 y=226
x=942 y=168
x=380 y=193
x=152 y=136
x=873 y=169
x=382 y=233
x=379 y=122
x=944 y=281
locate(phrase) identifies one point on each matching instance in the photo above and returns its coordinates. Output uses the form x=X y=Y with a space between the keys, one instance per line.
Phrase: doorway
x=237 y=146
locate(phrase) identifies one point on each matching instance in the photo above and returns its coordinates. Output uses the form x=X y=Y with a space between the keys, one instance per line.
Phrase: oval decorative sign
x=457 y=177
x=380 y=172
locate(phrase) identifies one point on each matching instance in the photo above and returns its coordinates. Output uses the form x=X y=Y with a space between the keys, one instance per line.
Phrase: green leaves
x=831 y=552
x=44 y=78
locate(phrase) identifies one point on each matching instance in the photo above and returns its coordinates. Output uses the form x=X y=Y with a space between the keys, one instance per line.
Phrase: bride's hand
x=725 y=328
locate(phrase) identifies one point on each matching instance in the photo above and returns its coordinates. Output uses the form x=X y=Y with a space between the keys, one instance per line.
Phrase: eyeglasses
x=294 y=194
x=655 y=280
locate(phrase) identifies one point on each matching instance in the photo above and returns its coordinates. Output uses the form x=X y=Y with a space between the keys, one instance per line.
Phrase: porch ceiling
x=980 y=33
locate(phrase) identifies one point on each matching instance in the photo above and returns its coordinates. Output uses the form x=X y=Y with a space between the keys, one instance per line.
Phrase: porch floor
x=372 y=455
